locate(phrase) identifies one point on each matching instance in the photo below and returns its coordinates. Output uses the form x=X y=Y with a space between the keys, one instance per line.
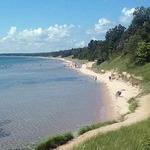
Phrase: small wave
x=3 y=133
x=4 y=122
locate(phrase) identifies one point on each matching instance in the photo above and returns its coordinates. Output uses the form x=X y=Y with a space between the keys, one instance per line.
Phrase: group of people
x=118 y=93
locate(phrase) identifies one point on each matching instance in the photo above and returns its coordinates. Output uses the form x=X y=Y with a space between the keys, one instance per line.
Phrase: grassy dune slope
x=120 y=63
x=134 y=137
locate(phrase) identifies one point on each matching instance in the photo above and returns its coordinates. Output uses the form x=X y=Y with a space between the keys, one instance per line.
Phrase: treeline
x=133 y=42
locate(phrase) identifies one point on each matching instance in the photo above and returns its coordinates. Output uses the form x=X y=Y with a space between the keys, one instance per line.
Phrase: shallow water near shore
x=40 y=97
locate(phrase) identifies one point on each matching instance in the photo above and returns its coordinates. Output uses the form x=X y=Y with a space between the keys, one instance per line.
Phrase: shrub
x=54 y=142
x=94 y=126
x=143 y=53
x=99 y=61
x=133 y=104
x=146 y=144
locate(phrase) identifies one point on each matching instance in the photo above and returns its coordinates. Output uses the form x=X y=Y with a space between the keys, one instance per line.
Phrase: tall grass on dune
x=94 y=126
x=133 y=137
x=120 y=64
x=54 y=142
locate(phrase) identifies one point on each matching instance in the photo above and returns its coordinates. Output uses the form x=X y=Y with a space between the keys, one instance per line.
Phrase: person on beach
x=118 y=93
x=109 y=78
x=75 y=65
x=95 y=78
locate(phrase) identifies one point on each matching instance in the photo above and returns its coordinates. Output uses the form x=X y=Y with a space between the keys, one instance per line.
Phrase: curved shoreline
x=119 y=105
x=106 y=100
x=140 y=114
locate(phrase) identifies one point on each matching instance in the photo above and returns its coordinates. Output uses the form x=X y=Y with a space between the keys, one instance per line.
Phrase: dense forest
x=133 y=42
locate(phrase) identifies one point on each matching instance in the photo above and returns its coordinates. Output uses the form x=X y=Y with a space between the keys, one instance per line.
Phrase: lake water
x=40 y=97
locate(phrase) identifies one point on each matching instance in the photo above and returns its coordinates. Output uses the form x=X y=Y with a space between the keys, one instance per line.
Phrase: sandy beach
x=119 y=104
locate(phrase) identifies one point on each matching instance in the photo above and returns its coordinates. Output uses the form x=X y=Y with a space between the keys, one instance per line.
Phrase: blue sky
x=49 y=25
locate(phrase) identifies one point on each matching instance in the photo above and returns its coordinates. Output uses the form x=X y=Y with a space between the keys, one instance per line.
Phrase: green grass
x=54 y=142
x=121 y=63
x=133 y=104
x=134 y=137
x=94 y=126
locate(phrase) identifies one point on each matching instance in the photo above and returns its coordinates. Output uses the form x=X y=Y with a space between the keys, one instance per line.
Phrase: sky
x=29 y=26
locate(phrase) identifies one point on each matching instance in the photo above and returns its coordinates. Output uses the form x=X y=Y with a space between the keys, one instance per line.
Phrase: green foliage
x=113 y=38
x=120 y=64
x=131 y=100
x=123 y=50
x=133 y=104
x=133 y=42
x=141 y=15
x=145 y=144
x=143 y=52
x=94 y=126
x=131 y=45
x=54 y=142
x=133 y=137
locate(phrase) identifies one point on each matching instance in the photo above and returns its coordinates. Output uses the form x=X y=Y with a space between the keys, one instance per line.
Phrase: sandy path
x=119 y=105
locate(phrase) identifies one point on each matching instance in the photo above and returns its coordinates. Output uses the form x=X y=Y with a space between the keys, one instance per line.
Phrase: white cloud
x=55 y=37
x=102 y=25
x=103 y=21
x=128 y=12
x=12 y=30
x=127 y=15
x=80 y=44
x=94 y=38
x=100 y=28
x=59 y=37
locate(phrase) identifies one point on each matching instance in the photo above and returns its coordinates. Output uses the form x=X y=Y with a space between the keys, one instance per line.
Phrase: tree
x=143 y=53
x=113 y=37
x=141 y=15
x=133 y=42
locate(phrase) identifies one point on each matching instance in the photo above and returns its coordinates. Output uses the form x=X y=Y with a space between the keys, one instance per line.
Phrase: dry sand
x=119 y=104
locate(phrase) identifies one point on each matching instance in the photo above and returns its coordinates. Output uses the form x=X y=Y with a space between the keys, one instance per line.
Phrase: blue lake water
x=40 y=97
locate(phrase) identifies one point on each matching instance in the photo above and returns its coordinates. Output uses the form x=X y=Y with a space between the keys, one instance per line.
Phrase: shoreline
x=109 y=110
x=116 y=107
x=106 y=99
x=119 y=105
